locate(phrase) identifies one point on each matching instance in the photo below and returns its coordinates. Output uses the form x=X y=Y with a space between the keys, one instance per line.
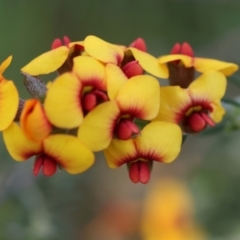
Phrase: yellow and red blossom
x=72 y=95
x=9 y=97
x=159 y=141
x=60 y=58
x=197 y=106
x=55 y=150
x=114 y=54
x=137 y=98
x=183 y=54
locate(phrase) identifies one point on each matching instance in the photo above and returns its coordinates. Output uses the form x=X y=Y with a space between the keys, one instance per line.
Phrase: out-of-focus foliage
x=102 y=203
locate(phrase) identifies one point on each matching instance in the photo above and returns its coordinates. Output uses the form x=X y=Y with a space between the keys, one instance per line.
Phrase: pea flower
x=51 y=150
x=60 y=58
x=9 y=97
x=130 y=59
x=182 y=65
x=197 y=106
x=72 y=95
x=136 y=98
x=159 y=141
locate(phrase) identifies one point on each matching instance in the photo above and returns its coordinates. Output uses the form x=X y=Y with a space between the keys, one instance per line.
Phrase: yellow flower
x=183 y=54
x=121 y=56
x=9 y=98
x=72 y=95
x=51 y=151
x=168 y=213
x=137 y=98
x=59 y=58
x=159 y=141
x=197 y=106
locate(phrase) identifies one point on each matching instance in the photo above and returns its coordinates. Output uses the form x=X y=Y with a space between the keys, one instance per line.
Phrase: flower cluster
x=108 y=98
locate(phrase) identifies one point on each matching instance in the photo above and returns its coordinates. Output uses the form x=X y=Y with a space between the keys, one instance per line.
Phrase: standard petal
x=120 y=152
x=186 y=60
x=210 y=86
x=90 y=72
x=18 y=145
x=173 y=101
x=115 y=80
x=33 y=120
x=150 y=64
x=47 y=62
x=69 y=152
x=63 y=102
x=4 y=65
x=8 y=103
x=96 y=130
x=159 y=141
x=204 y=64
x=140 y=97
x=103 y=51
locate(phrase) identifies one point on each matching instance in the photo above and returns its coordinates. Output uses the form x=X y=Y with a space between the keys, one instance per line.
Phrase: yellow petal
x=159 y=141
x=140 y=97
x=18 y=145
x=103 y=51
x=8 y=103
x=186 y=60
x=69 y=152
x=63 y=102
x=72 y=44
x=217 y=112
x=205 y=64
x=150 y=64
x=97 y=127
x=34 y=121
x=47 y=62
x=120 y=152
x=210 y=86
x=115 y=80
x=4 y=65
x=90 y=72
x=173 y=101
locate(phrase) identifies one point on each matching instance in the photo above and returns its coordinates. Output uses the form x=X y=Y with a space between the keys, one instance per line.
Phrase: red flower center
x=140 y=171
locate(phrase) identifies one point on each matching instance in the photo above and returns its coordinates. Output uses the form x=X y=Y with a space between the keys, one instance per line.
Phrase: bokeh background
x=103 y=204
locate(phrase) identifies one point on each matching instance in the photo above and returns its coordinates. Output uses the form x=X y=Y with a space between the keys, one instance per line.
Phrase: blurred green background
x=103 y=204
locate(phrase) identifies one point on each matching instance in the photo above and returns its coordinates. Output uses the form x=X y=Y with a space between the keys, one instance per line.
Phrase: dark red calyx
x=48 y=165
x=126 y=129
x=139 y=171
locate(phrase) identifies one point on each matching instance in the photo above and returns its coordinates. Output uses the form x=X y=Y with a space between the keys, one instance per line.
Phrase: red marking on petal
x=176 y=49
x=140 y=44
x=134 y=172
x=66 y=40
x=132 y=69
x=208 y=120
x=144 y=172
x=56 y=43
x=49 y=166
x=187 y=49
x=37 y=165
